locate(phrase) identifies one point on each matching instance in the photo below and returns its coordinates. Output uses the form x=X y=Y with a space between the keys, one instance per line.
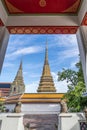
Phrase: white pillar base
x=11 y=121
x=70 y=121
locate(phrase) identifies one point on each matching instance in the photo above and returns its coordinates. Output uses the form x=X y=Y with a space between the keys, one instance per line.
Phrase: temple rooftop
x=35 y=98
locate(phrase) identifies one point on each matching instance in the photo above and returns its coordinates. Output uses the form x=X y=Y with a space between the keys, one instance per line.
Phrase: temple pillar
x=82 y=44
x=4 y=37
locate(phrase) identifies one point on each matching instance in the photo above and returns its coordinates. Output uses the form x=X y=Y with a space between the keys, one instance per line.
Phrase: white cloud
x=34 y=67
x=25 y=51
x=63 y=41
x=66 y=40
x=8 y=64
x=32 y=75
x=67 y=54
x=72 y=52
x=66 y=46
x=19 y=40
x=61 y=86
x=73 y=63
x=32 y=88
x=67 y=49
x=28 y=50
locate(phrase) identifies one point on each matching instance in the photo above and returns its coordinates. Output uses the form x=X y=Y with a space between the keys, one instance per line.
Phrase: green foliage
x=76 y=87
x=69 y=75
x=2 y=107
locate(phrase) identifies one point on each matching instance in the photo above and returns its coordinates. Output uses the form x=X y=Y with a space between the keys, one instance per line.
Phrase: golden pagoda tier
x=18 y=85
x=46 y=82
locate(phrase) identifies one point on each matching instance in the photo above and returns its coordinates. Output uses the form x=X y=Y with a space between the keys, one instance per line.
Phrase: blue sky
x=62 y=53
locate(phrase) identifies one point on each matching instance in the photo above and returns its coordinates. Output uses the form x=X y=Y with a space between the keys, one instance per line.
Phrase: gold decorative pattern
x=20 y=31
x=73 y=8
x=65 y=31
x=43 y=29
x=35 y=31
x=42 y=3
x=11 y=8
x=72 y=31
x=27 y=31
x=50 y=31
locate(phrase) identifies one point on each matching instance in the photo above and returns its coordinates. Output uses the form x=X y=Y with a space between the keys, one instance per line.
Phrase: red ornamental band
x=42 y=29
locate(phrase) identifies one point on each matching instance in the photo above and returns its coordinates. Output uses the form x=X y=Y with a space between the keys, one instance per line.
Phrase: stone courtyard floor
x=41 y=121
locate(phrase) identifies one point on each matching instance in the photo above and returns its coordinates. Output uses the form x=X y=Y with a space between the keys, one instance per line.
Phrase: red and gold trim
x=84 y=21
x=41 y=6
x=73 y=8
x=12 y=8
x=42 y=29
x=1 y=23
x=42 y=3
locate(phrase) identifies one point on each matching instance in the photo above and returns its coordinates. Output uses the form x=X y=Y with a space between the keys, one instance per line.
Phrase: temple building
x=18 y=86
x=46 y=82
x=44 y=17
x=45 y=101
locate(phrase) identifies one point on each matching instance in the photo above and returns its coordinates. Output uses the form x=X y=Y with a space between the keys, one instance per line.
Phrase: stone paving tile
x=41 y=122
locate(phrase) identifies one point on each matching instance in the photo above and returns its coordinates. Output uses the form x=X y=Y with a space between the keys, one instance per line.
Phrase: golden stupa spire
x=19 y=73
x=18 y=84
x=46 y=54
x=46 y=82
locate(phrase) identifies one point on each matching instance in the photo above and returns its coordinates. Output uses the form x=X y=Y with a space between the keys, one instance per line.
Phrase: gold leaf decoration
x=42 y=3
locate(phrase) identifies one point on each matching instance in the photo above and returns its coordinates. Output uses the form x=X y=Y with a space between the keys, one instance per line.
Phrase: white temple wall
x=39 y=108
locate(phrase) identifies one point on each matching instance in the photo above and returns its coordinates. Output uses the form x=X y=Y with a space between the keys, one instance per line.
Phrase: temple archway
x=71 y=18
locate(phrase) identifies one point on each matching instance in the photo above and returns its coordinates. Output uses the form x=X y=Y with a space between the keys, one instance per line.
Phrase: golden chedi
x=18 y=86
x=46 y=82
